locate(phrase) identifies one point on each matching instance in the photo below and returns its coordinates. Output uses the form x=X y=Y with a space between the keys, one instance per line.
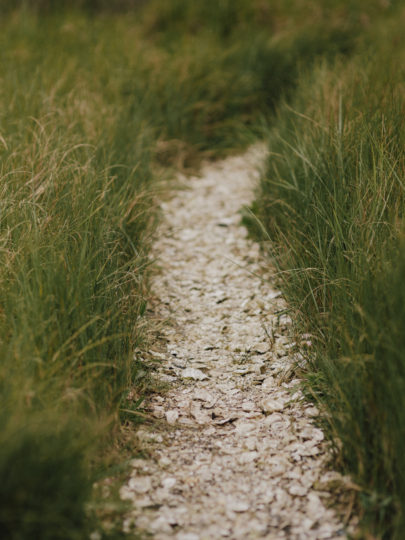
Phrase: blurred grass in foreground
x=332 y=201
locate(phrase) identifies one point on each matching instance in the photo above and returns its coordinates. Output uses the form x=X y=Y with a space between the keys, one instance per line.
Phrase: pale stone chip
x=244 y=370
x=239 y=506
x=261 y=348
x=312 y=411
x=140 y=484
x=223 y=421
x=248 y=406
x=144 y=502
x=298 y=489
x=278 y=465
x=148 y=436
x=202 y=417
x=203 y=395
x=243 y=427
x=168 y=483
x=312 y=433
x=247 y=457
x=126 y=493
x=270 y=405
x=269 y=382
x=172 y=416
x=187 y=536
x=138 y=463
x=193 y=373
x=159 y=355
x=251 y=443
x=158 y=412
x=160 y=524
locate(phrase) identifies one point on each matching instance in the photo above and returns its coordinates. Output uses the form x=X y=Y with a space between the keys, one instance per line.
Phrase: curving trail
x=242 y=458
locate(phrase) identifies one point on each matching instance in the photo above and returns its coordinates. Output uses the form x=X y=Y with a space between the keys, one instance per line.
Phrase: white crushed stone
x=242 y=459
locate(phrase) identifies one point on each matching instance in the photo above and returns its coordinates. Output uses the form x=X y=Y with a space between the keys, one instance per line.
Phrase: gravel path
x=242 y=458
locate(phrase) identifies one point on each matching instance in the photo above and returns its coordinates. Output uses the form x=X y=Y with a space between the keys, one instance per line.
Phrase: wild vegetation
x=332 y=202
x=98 y=99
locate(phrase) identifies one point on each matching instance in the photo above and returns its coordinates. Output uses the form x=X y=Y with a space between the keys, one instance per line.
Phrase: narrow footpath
x=240 y=457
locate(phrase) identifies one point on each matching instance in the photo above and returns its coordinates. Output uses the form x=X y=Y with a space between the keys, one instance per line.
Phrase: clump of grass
x=76 y=216
x=332 y=201
x=45 y=483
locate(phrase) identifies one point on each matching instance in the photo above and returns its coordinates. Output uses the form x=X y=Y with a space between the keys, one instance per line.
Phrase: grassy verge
x=332 y=201
x=75 y=218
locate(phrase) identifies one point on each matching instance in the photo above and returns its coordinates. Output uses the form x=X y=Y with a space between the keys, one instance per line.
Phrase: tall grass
x=332 y=201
